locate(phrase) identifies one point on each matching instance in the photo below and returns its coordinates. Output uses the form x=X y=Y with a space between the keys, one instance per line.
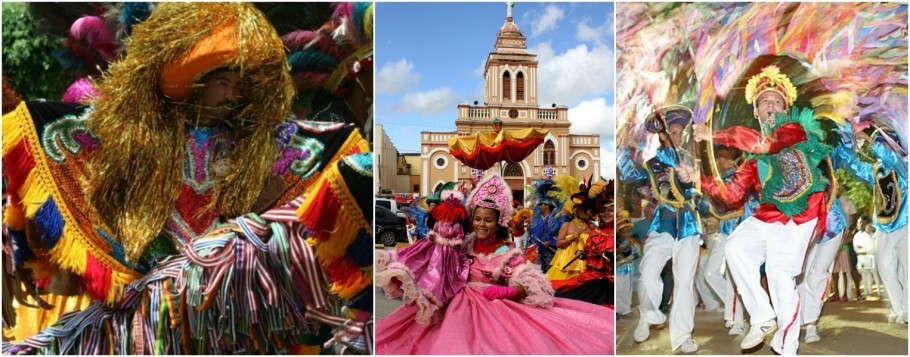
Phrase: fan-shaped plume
x=849 y=59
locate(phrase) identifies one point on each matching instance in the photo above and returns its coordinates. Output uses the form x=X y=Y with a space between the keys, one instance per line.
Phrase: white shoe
x=736 y=329
x=812 y=334
x=689 y=346
x=642 y=331
x=757 y=334
x=892 y=316
x=900 y=320
x=728 y=324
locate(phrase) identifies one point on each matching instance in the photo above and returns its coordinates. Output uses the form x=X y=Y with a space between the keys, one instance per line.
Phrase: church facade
x=510 y=81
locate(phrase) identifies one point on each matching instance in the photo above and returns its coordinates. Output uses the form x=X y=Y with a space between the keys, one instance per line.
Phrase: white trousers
x=711 y=300
x=624 y=293
x=721 y=282
x=782 y=247
x=658 y=249
x=891 y=257
x=733 y=303
x=814 y=285
x=866 y=266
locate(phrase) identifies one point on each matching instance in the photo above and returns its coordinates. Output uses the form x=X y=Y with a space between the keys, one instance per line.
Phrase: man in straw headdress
x=783 y=170
x=200 y=193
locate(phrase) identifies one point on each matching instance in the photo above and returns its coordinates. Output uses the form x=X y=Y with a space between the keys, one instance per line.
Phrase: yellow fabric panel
x=469 y=143
x=30 y=321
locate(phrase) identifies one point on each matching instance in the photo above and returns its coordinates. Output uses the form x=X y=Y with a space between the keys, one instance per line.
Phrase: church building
x=510 y=78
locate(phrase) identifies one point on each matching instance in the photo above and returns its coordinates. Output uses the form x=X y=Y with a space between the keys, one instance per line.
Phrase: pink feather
x=81 y=91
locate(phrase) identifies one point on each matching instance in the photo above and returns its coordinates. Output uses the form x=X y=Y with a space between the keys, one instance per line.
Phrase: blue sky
x=430 y=56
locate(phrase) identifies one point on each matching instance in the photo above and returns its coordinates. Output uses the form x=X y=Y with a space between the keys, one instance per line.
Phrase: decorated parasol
x=482 y=150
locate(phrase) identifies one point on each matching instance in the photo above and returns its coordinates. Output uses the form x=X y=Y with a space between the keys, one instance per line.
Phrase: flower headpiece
x=493 y=193
x=770 y=79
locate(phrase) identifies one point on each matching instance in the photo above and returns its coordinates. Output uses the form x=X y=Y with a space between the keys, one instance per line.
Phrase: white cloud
x=428 y=102
x=592 y=117
x=594 y=34
x=397 y=77
x=549 y=20
x=571 y=76
x=597 y=118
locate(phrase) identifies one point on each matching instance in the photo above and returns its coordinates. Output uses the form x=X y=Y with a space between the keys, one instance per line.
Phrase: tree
x=27 y=61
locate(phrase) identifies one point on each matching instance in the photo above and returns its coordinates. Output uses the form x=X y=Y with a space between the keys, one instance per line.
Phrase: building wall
x=387 y=165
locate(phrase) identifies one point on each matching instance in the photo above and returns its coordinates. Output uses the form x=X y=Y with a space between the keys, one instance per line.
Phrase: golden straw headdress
x=770 y=79
x=140 y=115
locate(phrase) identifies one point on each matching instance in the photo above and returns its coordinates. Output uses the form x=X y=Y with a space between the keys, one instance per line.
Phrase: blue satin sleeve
x=890 y=160
x=836 y=221
x=628 y=171
x=844 y=157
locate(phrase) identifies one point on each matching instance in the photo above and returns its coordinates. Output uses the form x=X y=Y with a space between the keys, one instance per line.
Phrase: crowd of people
x=768 y=230
x=527 y=280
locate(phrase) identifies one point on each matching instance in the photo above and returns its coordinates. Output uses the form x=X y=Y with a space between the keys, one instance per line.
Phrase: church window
x=513 y=170
x=549 y=153
x=506 y=86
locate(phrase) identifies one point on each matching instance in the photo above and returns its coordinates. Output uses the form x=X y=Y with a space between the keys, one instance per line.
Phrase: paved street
x=846 y=328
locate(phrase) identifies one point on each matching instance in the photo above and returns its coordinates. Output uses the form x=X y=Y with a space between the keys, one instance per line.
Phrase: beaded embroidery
x=797 y=178
x=68 y=133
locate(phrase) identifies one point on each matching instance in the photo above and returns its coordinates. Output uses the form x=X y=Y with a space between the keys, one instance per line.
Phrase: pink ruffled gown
x=427 y=274
x=471 y=324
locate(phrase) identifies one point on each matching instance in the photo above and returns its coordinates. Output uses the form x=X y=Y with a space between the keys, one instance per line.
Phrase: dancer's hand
x=494 y=292
x=701 y=132
x=686 y=173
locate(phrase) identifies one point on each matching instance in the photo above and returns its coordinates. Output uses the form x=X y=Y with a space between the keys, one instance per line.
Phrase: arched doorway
x=515 y=178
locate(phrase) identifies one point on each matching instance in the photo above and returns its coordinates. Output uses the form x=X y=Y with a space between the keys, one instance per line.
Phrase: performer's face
x=484 y=222
x=768 y=105
x=676 y=133
x=724 y=163
x=608 y=215
x=545 y=208
x=220 y=95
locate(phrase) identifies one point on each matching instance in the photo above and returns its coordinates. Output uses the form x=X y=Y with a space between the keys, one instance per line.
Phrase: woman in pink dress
x=507 y=305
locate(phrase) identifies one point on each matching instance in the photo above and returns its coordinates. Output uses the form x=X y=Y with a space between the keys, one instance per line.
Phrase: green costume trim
x=794 y=173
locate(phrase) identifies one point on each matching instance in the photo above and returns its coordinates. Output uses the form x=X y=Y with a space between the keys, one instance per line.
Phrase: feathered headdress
x=492 y=192
x=135 y=178
x=770 y=79
x=567 y=186
x=601 y=193
x=541 y=191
